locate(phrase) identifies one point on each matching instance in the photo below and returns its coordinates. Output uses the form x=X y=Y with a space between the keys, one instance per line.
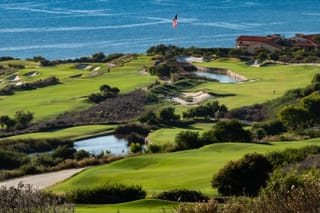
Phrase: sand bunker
x=81 y=66
x=97 y=68
x=191 y=59
x=110 y=64
x=31 y=74
x=14 y=78
x=193 y=98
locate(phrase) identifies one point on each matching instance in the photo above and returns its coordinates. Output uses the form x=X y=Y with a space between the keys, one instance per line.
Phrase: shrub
x=290 y=192
x=108 y=193
x=290 y=155
x=25 y=199
x=11 y=159
x=183 y=195
x=227 y=131
x=243 y=177
x=187 y=140
x=205 y=207
x=130 y=128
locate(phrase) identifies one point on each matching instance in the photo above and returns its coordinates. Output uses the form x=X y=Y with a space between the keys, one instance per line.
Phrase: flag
x=175 y=21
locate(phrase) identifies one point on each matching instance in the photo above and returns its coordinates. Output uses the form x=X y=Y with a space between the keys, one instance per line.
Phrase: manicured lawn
x=191 y=169
x=71 y=94
x=68 y=133
x=267 y=82
x=167 y=135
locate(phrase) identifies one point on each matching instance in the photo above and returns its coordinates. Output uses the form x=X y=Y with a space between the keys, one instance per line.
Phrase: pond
x=103 y=143
x=222 y=78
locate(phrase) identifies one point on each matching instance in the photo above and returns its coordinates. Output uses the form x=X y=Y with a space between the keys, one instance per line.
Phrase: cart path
x=42 y=181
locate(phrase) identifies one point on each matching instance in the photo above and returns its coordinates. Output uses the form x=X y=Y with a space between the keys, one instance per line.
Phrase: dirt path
x=42 y=181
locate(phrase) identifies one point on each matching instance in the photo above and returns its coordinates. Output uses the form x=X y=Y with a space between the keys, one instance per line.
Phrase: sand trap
x=31 y=74
x=81 y=66
x=191 y=59
x=144 y=72
x=76 y=76
x=110 y=64
x=88 y=67
x=97 y=68
x=14 y=78
x=197 y=97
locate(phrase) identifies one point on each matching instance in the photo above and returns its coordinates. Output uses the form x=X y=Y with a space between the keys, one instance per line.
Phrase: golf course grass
x=71 y=94
x=73 y=133
x=192 y=169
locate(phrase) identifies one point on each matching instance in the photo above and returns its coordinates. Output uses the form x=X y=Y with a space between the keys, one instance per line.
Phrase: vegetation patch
x=108 y=193
x=183 y=195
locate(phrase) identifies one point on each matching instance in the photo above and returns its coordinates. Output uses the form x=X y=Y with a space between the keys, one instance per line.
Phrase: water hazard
x=220 y=77
x=103 y=143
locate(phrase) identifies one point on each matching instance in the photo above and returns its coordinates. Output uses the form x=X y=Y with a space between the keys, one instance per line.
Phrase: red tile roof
x=261 y=39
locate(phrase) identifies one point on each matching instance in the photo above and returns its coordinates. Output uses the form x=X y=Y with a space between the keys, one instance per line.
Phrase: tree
x=259 y=133
x=23 y=119
x=312 y=104
x=294 y=118
x=6 y=121
x=230 y=131
x=187 y=140
x=167 y=115
x=243 y=177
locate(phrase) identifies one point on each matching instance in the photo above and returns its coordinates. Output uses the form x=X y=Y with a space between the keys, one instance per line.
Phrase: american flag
x=175 y=21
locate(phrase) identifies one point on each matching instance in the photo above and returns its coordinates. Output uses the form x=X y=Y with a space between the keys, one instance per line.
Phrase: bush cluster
x=183 y=195
x=243 y=177
x=104 y=194
x=25 y=199
x=10 y=89
x=223 y=131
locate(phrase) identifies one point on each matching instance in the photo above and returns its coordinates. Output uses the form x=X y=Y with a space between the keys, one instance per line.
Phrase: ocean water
x=59 y=29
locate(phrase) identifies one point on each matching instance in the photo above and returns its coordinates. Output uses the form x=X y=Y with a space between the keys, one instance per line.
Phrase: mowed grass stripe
x=191 y=169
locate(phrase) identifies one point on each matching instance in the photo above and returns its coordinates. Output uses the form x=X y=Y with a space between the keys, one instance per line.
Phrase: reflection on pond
x=222 y=78
x=103 y=143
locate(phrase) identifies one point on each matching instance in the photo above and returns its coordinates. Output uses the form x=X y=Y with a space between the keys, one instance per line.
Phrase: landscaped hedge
x=183 y=195
x=108 y=193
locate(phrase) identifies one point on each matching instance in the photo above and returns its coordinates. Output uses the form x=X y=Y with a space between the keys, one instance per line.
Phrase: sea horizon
x=64 y=29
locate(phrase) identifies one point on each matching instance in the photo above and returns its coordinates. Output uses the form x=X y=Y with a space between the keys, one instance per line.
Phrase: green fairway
x=140 y=206
x=73 y=133
x=167 y=135
x=191 y=169
x=265 y=83
x=71 y=94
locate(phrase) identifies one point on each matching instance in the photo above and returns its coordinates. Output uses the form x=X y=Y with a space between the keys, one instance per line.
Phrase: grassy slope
x=167 y=135
x=68 y=96
x=191 y=169
x=68 y=133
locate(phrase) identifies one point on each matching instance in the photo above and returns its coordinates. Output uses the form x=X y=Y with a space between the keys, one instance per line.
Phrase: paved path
x=42 y=181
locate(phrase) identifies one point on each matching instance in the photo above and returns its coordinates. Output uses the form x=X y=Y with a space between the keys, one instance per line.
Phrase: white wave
x=111 y=43
x=42 y=8
x=226 y=25
x=78 y=28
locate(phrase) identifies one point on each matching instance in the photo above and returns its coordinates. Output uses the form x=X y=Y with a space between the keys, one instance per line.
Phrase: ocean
x=60 y=29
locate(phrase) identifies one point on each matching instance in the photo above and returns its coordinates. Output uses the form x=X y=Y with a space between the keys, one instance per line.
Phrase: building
x=275 y=42
x=307 y=41
x=254 y=43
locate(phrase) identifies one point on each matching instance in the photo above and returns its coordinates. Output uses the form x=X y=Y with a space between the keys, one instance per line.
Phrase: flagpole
x=177 y=33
